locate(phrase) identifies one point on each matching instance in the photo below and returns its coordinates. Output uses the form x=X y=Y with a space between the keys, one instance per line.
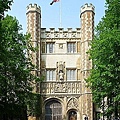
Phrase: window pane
x=51 y=48
x=68 y=48
x=54 y=75
x=47 y=48
x=50 y=75
x=47 y=75
x=74 y=47
x=71 y=47
x=71 y=75
x=68 y=75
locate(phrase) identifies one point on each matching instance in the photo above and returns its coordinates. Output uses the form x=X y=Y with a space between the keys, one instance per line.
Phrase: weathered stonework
x=66 y=98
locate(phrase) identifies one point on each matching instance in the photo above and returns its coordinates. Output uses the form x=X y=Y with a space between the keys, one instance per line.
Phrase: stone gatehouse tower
x=62 y=59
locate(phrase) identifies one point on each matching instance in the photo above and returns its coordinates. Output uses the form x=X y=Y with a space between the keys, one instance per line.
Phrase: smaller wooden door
x=72 y=115
x=72 y=118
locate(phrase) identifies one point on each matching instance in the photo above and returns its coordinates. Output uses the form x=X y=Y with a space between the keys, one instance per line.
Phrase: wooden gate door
x=53 y=110
x=72 y=115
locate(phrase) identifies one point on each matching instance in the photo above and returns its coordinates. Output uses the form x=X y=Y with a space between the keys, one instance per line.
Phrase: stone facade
x=62 y=59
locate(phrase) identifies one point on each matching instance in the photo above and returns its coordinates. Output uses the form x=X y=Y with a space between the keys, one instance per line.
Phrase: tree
x=15 y=76
x=4 y=6
x=104 y=79
x=15 y=68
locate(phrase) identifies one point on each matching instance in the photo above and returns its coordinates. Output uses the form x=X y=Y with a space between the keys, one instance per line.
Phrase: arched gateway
x=53 y=110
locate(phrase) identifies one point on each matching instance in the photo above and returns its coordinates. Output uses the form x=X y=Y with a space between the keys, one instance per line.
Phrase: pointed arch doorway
x=53 y=110
x=72 y=115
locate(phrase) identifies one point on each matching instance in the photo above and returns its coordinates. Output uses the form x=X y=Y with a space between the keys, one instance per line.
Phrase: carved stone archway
x=53 y=110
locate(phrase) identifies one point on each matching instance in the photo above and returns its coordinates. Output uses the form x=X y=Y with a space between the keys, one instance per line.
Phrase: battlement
x=60 y=30
x=87 y=7
x=60 y=33
x=34 y=7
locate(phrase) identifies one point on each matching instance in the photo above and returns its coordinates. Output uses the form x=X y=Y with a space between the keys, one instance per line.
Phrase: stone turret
x=87 y=32
x=34 y=28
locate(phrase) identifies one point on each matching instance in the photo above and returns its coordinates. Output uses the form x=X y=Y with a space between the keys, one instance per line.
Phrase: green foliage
x=15 y=68
x=34 y=105
x=105 y=54
x=4 y=6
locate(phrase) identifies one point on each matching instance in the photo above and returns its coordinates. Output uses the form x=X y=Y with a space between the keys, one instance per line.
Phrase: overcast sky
x=70 y=15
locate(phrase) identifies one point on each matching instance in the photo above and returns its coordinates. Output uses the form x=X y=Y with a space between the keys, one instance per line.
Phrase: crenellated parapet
x=60 y=33
x=87 y=7
x=33 y=8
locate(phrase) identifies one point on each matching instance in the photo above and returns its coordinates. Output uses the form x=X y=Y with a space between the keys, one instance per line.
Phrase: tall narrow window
x=71 y=74
x=71 y=47
x=50 y=47
x=50 y=75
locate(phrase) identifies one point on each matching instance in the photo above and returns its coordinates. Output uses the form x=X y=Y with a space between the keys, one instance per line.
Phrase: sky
x=50 y=14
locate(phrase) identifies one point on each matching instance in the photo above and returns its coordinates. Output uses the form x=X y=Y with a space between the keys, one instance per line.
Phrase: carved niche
x=60 y=71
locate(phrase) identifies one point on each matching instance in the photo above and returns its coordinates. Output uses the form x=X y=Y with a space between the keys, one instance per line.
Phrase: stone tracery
x=72 y=104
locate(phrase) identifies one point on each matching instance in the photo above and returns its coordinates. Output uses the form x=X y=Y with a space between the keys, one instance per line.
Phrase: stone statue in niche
x=61 y=75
